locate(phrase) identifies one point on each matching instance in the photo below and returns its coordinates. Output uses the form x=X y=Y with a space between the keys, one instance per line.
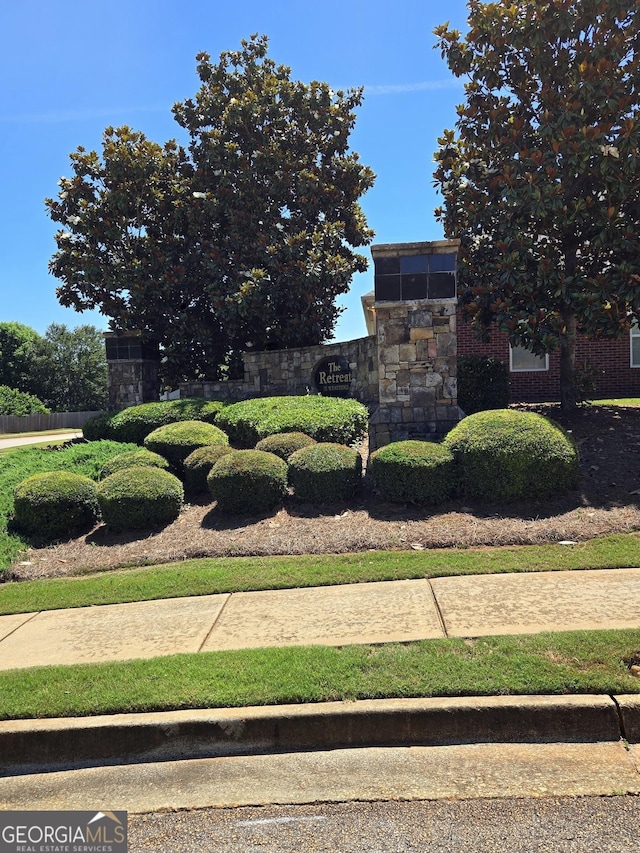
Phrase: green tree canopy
x=245 y=239
x=65 y=368
x=20 y=403
x=541 y=178
x=19 y=345
x=71 y=369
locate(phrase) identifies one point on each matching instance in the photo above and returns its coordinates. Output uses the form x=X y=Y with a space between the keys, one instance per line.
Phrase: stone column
x=417 y=344
x=132 y=370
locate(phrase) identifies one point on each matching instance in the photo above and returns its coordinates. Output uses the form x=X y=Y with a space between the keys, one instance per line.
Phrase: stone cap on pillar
x=405 y=272
x=130 y=346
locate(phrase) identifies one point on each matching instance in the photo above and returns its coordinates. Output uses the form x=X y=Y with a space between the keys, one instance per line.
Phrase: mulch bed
x=607 y=501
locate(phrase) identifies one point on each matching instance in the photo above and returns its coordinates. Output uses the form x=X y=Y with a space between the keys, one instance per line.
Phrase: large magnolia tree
x=541 y=177
x=243 y=239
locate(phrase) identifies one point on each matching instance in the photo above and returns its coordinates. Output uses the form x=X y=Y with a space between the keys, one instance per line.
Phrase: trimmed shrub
x=133 y=457
x=198 y=464
x=85 y=458
x=248 y=481
x=483 y=383
x=54 y=504
x=98 y=428
x=412 y=471
x=136 y=422
x=283 y=444
x=176 y=441
x=327 y=419
x=325 y=472
x=139 y=498
x=507 y=454
x=14 y=402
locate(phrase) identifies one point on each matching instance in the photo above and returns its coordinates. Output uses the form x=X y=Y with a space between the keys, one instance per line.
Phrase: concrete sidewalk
x=383 y=612
x=22 y=440
x=181 y=759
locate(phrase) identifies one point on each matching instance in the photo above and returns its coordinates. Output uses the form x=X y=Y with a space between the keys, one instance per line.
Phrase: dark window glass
x=151 y=351
x=414 y=286
x=126 y=349
x=387 y=266
x=387 y=288
x=414 y=264
x=442 y=263
x=442 y=285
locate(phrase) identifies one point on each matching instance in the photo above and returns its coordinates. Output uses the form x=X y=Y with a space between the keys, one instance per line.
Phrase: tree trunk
x=568 y=387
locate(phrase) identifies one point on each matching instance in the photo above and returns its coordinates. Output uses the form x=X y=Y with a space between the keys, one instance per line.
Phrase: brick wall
x=611 y=358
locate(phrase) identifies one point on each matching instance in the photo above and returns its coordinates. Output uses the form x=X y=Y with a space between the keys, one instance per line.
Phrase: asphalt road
x=556 y=825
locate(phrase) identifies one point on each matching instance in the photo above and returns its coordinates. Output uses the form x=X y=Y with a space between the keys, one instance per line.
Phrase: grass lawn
x=575 y=662
x=207 y=576
x=623 y=401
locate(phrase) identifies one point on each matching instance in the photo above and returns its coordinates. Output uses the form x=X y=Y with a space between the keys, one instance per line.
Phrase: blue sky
x=69 y=69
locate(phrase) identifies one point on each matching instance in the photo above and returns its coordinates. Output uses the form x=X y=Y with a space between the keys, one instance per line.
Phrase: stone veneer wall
x=417 y=371
x=290 y=372
x=132 y=382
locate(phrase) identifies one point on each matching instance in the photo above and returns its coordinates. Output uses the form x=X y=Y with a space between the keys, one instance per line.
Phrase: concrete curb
x=629 y=710
x=30 y=746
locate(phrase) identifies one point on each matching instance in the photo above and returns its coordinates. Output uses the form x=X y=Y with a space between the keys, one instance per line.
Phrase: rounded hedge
x=98 y=428
x=283 y=444
x=142 y=456
x=139 y=498
x=55 y=504
x=136 y=422
x=198 y=464
x=507 y=454
x=412 y=471
x=325 y=472
x=248 y=481
x=327 y=419
x=176 y=441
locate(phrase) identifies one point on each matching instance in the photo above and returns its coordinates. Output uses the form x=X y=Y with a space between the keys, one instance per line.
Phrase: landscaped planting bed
x=605 y=501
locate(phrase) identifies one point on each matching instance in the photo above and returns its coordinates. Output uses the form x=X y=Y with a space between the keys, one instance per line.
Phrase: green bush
x=141 y=456
x=283 y=444
x=507 y=454
x=327 y=419
x=411 y=471
x=325 y=472
x=483 y=383
x=136 y=422
x=13 y=402
x=54 y=504
x=198 y=464
x=98 y=428
x=139 y=498
x=85 y=458
x=248 y=481
x=176 y=441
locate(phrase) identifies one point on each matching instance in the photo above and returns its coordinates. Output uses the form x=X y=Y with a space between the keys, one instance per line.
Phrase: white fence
x=40 y=423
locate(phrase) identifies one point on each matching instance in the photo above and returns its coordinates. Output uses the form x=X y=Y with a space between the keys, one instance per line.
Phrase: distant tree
x=18 y=352
x=541 y=179
x=244 y=240
x=13 y=402
x=71 y=369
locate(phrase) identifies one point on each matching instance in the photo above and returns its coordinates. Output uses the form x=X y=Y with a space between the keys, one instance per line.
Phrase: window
x=406 y=277
x=635 y=346
x=521 y=359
